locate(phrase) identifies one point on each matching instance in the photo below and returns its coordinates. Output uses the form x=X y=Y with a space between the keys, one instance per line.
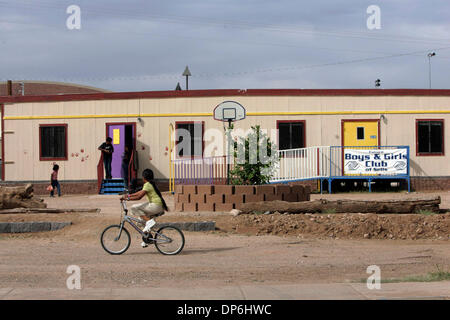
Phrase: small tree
x=255 y=158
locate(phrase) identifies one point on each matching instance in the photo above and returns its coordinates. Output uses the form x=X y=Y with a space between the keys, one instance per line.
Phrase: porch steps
x=112 y=186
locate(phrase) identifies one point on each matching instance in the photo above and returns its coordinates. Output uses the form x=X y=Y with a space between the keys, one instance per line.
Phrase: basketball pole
x=228 y=160
x=236 y=112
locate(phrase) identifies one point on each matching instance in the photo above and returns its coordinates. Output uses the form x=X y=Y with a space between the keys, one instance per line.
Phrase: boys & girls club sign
x=379 y=161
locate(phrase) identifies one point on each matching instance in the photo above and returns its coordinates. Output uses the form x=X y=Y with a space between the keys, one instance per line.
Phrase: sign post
x=187 y=74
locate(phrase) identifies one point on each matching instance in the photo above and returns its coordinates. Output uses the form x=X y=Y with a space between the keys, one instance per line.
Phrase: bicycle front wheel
x=169 y=240
x=114 y=240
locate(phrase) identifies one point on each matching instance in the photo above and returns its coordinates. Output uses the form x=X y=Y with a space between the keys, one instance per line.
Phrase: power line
x=265 y=43
x=232 y=74
x=238 y=24
x=209 y=75
x=215 y=39
x=320 y=65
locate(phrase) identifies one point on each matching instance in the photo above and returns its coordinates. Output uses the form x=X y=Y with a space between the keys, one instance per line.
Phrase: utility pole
x=431 y=54
x=187 y=74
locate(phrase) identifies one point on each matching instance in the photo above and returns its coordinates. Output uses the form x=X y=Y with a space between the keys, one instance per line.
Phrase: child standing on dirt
x=154 y=206
x=54 y=181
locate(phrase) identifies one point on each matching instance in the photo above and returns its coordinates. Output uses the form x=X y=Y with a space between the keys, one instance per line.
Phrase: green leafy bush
x=255 y=158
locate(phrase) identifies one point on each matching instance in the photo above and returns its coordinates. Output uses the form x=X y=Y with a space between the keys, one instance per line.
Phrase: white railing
x=208 y=170
x=302 y=164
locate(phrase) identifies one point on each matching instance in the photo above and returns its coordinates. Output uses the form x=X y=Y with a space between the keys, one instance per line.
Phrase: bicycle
x=115 y=234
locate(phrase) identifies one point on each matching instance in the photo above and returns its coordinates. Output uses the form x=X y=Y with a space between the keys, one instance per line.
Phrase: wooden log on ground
x=19 y=197
x=411 y=205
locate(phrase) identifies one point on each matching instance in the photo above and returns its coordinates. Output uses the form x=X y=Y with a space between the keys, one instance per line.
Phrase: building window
x=430 y=137
x=189 y=137
x=291 y=134
x=53 y=142
x=360 y=133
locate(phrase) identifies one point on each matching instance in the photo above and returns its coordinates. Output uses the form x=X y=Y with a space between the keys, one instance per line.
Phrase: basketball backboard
x=229 y=111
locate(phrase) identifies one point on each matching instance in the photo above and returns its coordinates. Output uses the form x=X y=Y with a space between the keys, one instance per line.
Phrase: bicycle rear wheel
x=169 y=240
x=115 y=241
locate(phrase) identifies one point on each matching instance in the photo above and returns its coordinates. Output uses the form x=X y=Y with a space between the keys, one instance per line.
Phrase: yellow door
x=360 y=133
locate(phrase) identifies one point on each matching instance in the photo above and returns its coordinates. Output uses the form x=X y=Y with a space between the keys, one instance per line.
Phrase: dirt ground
x=315 y=226
x=213 y=260
x=320 y=248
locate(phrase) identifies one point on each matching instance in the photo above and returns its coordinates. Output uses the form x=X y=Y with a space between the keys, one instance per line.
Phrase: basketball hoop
x=229 y=111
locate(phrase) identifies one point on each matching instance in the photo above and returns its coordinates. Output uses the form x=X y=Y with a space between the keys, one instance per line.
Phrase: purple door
x=117 y=133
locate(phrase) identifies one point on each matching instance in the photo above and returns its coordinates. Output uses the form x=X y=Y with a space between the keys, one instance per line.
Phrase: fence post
x=408 y=172
x=331 y=160
x=318 y=163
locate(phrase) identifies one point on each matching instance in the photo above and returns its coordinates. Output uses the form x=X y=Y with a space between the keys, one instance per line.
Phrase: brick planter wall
x=225 y=198
x=430 y=183
x=313 y=184
x=417 y=183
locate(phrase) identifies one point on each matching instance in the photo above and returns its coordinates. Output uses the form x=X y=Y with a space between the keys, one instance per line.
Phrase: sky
x=140 y=45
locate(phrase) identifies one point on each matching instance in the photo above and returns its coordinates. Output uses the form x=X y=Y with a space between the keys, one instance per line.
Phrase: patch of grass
x=429 y=277
x=426 y=212
x=332 y=210
x=438 y=275
x=258 y=212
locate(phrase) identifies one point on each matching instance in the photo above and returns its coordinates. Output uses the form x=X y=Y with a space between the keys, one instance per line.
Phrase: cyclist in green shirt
x=154 y=206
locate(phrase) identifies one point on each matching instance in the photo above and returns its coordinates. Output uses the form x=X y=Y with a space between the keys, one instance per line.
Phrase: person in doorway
x=107 y=149
x=54 y=181
x=155 y=205
x=126 y=157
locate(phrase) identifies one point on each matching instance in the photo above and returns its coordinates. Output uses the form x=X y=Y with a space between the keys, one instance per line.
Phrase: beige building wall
x=86 y=122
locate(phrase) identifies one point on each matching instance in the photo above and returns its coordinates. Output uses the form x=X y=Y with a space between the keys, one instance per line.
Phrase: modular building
x=38 y=131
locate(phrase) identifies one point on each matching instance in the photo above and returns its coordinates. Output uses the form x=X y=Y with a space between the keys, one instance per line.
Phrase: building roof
x=224 y=93
x=39 y=88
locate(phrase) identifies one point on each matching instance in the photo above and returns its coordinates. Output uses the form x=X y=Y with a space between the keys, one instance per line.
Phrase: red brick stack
x=223 y=198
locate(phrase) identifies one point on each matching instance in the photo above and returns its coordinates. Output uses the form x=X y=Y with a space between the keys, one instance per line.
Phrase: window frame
x=290 y=121
x=363 y=133
x=177 y=123
x=66 y=157
x=430 y=154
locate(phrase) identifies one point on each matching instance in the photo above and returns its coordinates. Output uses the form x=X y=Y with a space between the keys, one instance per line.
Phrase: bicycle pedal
x=147 y=238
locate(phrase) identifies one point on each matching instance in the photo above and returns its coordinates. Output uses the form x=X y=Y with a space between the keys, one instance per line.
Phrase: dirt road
x=214 y=259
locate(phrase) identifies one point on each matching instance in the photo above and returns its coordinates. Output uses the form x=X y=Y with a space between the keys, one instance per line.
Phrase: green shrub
x=255 y=159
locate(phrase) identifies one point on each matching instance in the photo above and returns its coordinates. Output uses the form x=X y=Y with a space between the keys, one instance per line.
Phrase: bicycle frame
x=129 y=219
